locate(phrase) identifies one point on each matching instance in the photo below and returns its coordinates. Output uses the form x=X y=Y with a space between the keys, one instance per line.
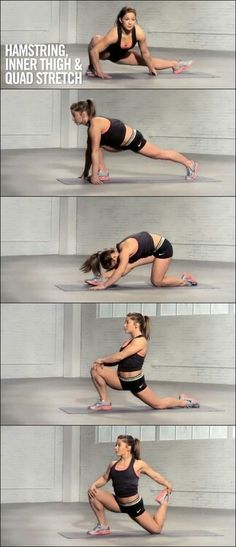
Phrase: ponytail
x=87 y=106
x=144 y=323
x=133 y=443
x=92 y=263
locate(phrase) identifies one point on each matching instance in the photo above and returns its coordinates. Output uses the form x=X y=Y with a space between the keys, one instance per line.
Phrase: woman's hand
x=94 y=180
x=92 y=490
x=99 y=286
x=169 y=487
x=103 y=75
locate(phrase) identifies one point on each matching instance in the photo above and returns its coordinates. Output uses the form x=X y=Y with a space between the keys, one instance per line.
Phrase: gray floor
x=33 y=279
x=211 y=70
x=41 y=524
x=35 y=172
x=39 y=400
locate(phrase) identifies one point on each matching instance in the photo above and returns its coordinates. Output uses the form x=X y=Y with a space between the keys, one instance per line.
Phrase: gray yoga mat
x=127 y=286
x=138 y=409
x=174 y=534
x=139 y=180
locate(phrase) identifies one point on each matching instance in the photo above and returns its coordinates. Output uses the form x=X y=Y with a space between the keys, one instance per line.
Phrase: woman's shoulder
x=140 y=34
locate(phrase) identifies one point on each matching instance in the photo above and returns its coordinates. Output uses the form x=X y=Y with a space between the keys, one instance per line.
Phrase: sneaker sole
x=160 y=496
x=183 y=69
x=101 y=409
x=102 y=533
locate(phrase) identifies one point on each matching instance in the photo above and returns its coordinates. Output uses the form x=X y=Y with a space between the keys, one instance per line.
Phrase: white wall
x=199 y=229
x=32 y=340
x=30 y=21
x=173 y=24
x=32 y=463
x=30 y=226
x=31 y=118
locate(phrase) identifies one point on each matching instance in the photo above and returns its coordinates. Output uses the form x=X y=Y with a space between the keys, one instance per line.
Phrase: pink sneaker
x=101 y=405
x=163 y=496
x=104 y=176
x=191 y=401
x=189 y=278
x=182 y=66
x=99 y=530
x=192 y=172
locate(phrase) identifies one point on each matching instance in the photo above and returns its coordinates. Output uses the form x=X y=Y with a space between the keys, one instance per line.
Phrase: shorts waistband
x=130 y=503
x=159 y=244
x=132 y=137
x=132 y=379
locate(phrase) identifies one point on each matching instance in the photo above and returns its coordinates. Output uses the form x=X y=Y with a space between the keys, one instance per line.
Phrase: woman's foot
x=191 y=402
x=99 y=530
x=163 y=496
x=192 y=172
x=101 y=405
x=190 y=280
x=182 y=66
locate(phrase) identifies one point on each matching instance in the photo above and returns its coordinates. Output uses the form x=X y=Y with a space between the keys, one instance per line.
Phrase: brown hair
x=84 y=106
x=123 y=12
x=134 y=443
x=143 y=321
x=101 y=258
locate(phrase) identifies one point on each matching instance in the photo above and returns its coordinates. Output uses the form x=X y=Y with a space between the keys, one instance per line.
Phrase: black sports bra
x=116 y=51
x=124 y=481
x=145 y=245
x=132 y=362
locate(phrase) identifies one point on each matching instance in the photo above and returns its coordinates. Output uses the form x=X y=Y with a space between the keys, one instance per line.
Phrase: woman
x=114 y=136
x=129 y=375
x=117 y=46
x=133 y=251
x=124 y=473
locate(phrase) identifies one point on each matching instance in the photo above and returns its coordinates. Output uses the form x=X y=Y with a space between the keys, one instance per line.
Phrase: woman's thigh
x=107 y=500
x=148 y=523
x=110 y=376
x=159 y=269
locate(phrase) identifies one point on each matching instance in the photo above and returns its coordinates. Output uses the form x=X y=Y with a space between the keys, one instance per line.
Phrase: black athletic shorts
x=164 y=251
x=135 y=385
x=134 y=509
x=137 y=143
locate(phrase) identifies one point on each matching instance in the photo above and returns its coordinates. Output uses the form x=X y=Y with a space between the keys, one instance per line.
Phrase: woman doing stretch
x=113 y=135
x=117 y=46
x=129 y=375
x=133 y=251
x=124 y=473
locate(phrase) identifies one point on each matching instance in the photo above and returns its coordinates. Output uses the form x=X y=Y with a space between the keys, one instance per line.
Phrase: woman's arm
x=99 y=482
x=134 y=347
x=102 y=45
x=88 y=159
x=95 y=136
x=147 y=470
x=146 y=55
x=140 y=262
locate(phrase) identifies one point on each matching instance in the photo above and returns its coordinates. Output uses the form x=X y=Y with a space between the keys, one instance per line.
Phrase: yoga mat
x=137 y=180
x=129 y=286
x=177 y=534
x=138 y=409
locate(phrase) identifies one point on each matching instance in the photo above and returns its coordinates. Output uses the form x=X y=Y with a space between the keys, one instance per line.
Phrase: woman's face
x=129 y=325
x=80 y=118
x=121 y=448
x=128 y=21
x=114 y=260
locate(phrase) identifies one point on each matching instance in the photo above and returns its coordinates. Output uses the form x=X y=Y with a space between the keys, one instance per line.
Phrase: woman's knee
x=156 y=282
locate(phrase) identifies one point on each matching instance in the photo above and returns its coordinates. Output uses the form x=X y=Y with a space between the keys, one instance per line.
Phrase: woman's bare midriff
x=128 y=499
x=130 y=374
